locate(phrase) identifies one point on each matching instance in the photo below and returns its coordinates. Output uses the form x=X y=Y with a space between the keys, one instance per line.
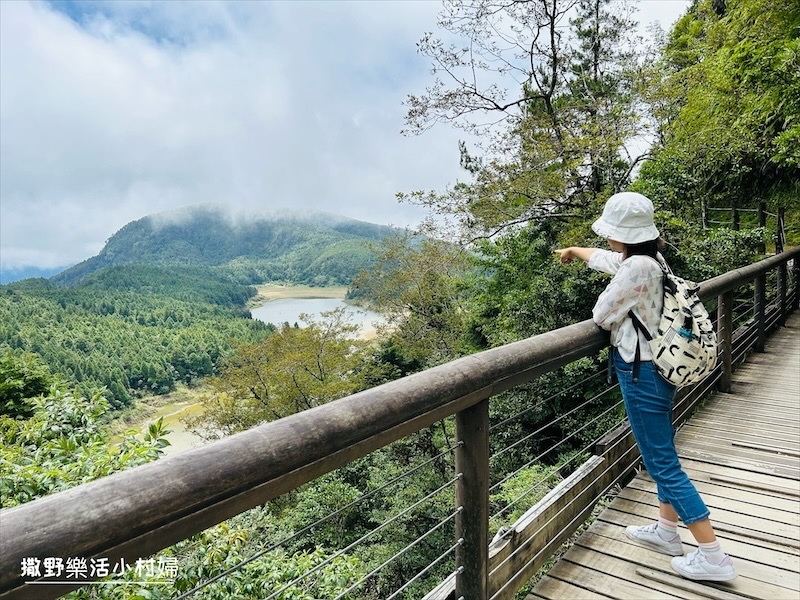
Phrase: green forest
x=719 y=98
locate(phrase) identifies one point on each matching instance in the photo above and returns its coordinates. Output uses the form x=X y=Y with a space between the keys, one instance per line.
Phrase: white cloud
x=249 y=103
x=131 y=108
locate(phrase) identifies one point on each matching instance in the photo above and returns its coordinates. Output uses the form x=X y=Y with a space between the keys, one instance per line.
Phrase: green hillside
x=315 y=248
x=164 y=301
x=175 y=327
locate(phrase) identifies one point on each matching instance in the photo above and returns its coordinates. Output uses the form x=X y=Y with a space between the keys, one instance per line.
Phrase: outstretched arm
x=567 y=255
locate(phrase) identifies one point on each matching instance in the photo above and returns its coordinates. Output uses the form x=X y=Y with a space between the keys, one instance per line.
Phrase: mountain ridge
x=310 y=247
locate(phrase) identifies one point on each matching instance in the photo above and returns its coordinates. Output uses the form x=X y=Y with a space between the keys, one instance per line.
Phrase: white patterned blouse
x=637 y=285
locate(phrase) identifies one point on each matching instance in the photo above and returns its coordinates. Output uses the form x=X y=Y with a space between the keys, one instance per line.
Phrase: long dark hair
x=649 y=248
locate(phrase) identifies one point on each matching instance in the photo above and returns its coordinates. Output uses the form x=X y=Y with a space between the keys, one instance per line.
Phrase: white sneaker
x=695 y=565
x=648 y=536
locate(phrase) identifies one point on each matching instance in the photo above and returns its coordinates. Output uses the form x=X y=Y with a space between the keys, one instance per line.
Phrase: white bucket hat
x=628 y=218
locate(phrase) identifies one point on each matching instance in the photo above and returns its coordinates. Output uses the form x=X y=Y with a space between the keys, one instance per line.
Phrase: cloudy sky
x=110 y=111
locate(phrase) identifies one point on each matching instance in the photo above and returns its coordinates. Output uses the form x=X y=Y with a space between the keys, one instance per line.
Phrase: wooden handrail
x=137 y=512
x=134 y=513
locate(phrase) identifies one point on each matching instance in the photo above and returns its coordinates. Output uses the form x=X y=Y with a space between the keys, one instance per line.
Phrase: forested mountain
x=164 y=300
x=312 y=248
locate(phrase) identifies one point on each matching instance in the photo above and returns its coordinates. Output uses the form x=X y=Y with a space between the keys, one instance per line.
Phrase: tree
x=64 y=444
x=415 y=283
x=519 y=290
x=731 y=129
x=557 y=136
x=23 y=376
x=294 y=369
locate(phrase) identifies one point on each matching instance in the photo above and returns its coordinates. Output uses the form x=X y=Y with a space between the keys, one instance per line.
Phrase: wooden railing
x=140 y=511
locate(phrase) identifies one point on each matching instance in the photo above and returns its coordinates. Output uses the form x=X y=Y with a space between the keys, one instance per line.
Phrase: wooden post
x=762 y=222
x=761 y=302
x=782 y=271
x=796 y=283
x=472 y=495
x=704 y=209
x=734 y=218
x=725 y=320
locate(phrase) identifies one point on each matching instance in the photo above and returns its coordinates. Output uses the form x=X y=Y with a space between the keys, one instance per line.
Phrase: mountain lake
x=280 y=305
x=274 y=304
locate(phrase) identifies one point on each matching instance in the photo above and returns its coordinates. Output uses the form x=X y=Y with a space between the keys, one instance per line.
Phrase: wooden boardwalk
x=742 y=451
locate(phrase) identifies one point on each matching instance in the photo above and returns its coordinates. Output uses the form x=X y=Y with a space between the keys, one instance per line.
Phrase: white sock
x=667 y=530
x=713 y=552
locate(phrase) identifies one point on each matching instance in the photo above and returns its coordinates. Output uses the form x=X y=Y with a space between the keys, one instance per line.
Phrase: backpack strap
x=663 y=263
x=640 y=328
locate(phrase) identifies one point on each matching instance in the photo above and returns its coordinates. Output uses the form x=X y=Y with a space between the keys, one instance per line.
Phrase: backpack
x=685 y=348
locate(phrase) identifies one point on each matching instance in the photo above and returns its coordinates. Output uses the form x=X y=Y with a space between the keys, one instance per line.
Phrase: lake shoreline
x=187 y=401
x=272 y=291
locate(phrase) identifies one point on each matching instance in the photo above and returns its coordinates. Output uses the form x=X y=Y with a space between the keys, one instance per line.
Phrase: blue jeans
x=648 y=403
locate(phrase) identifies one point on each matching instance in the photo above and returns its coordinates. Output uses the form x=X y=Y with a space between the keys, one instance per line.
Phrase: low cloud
x=119 y=110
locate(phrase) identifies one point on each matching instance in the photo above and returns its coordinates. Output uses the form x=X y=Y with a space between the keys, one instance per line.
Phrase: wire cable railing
x=308 y=528
x=424 y=571
x=401 y=553
x=543 y=402
x=381 y=527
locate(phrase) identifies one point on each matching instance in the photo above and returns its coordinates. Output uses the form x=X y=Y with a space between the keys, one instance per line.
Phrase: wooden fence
x=140 y=511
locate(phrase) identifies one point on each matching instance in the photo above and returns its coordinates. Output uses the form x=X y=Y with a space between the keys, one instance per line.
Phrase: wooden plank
x=716 y=490
x=762 y=395
x=758 y=538
x=760 y=391
x=789 y=517
x=557 y=589
x=733 y=447
x=711 y=456
x=599 y=549
x=771 y=489
x=762 y=415
x=780 y=411
x=772 y=565
x=767 y=483
x=746 y=522
x=772 y=449
x=756 y=580
x=763 y=399
x=753 y=526
x=675 y=581
x=742 y=433
x=757 y=460
x=602 y=580
x=780 y=430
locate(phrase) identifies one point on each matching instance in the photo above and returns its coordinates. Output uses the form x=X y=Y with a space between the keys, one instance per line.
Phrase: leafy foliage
x=416 y=285
x=22 y=376
x=292 y=370
x=732 y=80
x=64 y=444
x=519 y=290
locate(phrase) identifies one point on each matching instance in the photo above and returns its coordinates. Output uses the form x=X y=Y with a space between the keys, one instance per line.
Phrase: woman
x=634 y=260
